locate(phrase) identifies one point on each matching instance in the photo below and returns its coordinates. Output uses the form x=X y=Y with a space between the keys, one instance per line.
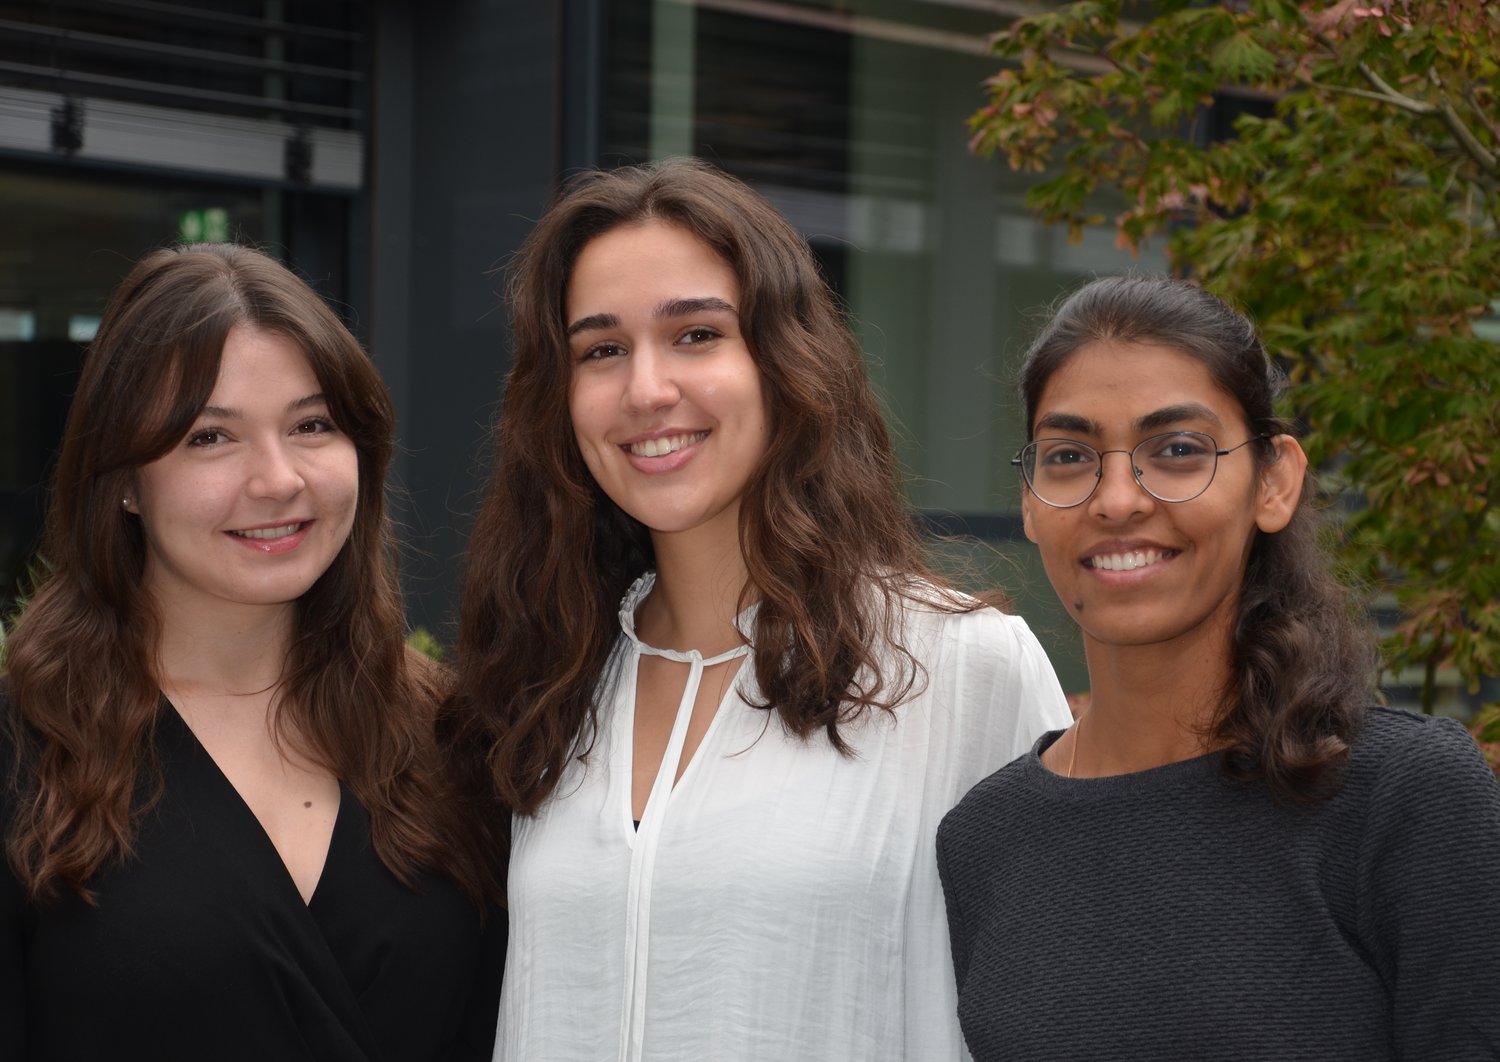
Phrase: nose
x=650 y=384
x=273 y=473
x=1119 y=495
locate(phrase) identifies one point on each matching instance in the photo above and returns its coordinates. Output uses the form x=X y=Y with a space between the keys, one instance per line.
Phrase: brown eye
x=600 y=351
x=699 y=334
x=314 y=426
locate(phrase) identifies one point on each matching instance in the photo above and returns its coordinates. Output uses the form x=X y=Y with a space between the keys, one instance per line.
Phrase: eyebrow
x=592 y=323
x=1156 y=419
x=669 y=308
x=1170 y=415
x=683 y=307
x=230 y=413
x=1069 y=422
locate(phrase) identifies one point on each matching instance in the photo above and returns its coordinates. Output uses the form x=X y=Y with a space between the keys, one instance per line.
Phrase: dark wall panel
x=464 y=157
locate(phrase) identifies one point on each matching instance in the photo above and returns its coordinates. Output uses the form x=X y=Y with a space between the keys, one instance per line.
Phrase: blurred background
x=395 y=154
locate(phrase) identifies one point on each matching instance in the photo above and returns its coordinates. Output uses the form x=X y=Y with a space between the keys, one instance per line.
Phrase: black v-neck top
x=201 y=947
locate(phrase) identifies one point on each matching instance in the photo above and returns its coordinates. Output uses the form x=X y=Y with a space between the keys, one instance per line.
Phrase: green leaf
x=1240 y=59
x=1360 y=235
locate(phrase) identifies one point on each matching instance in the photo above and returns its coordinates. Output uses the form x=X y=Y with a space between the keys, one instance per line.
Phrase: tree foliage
x=1353 y=212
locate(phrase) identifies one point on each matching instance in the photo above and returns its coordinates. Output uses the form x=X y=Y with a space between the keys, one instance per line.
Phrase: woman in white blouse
x=720 y=690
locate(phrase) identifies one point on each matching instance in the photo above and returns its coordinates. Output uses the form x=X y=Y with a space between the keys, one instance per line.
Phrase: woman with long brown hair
x=227 y=833
x=1230 y=854
x=721 y=690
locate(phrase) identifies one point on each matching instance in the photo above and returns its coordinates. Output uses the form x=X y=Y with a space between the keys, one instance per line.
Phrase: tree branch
x=1383 y=93
x=1482 y=155
x=1390 y=94
x=1383 y=90
x=1451 y=118
x=1479 y=112
x=1443 y=109
x=1405 y=103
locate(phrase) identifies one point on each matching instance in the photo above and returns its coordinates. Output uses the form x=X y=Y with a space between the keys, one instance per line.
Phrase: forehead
x=256 y=361
x=1115 y=385
x=646 y=259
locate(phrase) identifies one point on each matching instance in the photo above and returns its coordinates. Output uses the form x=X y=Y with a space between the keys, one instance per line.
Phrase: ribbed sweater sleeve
x=1428 y=868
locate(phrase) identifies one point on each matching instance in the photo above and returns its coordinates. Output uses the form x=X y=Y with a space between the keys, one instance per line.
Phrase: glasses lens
x=1061 y=472
x=1177 y=466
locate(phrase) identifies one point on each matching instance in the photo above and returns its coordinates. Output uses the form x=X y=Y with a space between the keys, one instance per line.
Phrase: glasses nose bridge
x=1135 y=469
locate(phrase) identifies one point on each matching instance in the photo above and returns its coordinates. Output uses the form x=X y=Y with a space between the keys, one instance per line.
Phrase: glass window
x=852 y=120
x=71 y=237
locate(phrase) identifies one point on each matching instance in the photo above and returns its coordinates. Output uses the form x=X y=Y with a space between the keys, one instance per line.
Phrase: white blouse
x=781 y=902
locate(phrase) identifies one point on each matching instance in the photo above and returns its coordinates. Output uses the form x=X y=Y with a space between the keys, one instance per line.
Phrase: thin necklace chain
x=1073 y=755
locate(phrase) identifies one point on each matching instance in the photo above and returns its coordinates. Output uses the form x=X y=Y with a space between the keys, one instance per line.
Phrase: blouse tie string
x=643 y=857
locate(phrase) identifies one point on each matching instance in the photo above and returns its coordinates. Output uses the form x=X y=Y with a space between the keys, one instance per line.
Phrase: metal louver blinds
x=267 y=90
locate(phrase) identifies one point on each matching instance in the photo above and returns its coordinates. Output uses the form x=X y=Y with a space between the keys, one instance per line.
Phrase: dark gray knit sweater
x=1174 y=914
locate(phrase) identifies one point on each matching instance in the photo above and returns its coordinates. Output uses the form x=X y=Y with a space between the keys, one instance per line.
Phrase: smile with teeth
x=668 y=444
x=1127 y=562
x=270 y=532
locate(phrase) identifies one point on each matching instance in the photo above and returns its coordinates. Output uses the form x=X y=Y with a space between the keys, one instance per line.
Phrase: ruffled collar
x=744 y=622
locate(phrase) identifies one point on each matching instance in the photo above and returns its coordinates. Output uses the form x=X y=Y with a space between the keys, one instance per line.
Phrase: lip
x=1128 y=560
x=668 y=462
x=281 y=544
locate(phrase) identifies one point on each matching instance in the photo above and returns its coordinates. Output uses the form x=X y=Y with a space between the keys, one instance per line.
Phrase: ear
x=1027 y=501
x=1280 y=485
x=130 y=502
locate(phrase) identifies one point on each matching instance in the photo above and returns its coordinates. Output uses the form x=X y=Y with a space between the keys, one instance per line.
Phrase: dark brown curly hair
x=831 y=547
x=1303 y=656
x=84 y=698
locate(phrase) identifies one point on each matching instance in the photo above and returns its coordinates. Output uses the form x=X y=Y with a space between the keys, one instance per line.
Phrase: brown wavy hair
x=80 y=663
x=831 y=546
x=1302 y=655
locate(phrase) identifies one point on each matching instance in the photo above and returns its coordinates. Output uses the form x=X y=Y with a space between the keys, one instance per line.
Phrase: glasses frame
x=1135 y=469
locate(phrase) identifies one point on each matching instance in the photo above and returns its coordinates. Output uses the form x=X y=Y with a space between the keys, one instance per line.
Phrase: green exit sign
x=210 y=225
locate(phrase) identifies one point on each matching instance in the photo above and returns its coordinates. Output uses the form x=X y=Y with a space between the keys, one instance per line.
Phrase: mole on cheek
x=1078 y=605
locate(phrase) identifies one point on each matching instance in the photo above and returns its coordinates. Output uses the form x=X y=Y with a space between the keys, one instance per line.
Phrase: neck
x=699 y=581
x=219 y=650
x=1151 y=705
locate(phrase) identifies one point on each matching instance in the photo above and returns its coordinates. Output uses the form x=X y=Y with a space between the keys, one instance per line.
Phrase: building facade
x=396 y=153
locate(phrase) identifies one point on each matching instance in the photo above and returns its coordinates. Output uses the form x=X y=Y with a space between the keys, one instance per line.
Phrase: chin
x=1127 y=635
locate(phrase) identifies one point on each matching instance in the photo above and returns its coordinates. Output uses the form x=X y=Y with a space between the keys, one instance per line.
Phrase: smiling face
x=1132 y=570
x=254 y=505
x=666 y=402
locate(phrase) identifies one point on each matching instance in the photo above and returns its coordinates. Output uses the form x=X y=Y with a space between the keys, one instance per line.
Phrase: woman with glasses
x=724 y=695
x=1230 y=854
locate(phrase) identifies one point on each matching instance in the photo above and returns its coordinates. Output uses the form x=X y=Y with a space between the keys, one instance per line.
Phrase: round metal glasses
x=1175 y=466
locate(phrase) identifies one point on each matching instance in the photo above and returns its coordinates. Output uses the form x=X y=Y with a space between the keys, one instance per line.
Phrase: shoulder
x=993 y=801
x=956 y=618
x=1403 y=750
x=985 y=669
x=1425 y=787
x=984 y=654
x=1000 y=789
